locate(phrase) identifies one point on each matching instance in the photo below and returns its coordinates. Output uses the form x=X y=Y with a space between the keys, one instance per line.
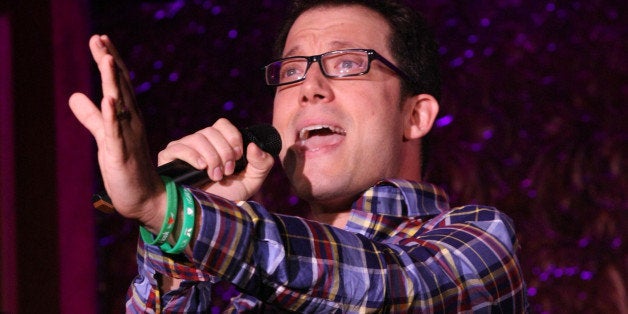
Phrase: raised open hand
x=130 y=178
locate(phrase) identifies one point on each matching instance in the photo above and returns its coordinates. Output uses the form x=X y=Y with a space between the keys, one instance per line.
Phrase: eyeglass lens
x=334 y=64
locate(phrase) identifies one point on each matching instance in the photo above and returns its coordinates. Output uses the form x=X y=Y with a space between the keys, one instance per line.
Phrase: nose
x=315 y=87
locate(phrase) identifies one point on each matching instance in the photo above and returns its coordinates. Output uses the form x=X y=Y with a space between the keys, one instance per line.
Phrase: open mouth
x=315 y=137
x=319 y=130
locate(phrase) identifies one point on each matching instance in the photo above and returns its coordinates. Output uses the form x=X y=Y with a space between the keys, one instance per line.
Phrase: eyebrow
x=335 y=45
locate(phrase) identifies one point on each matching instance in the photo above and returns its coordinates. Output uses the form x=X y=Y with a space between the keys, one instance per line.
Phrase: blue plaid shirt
x=402 y=251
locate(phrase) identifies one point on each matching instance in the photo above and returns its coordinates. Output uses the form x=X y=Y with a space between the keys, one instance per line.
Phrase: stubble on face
x=366 y=107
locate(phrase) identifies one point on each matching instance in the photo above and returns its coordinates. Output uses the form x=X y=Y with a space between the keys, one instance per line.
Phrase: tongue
x=317 y=142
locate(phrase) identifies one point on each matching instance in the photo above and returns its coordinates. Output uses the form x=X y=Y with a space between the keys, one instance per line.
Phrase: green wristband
x=169 y=219
x=188 y=224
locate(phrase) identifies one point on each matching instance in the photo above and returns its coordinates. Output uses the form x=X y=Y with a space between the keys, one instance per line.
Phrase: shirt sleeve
x=144 y=296
x=458 y=262
x=463 y=260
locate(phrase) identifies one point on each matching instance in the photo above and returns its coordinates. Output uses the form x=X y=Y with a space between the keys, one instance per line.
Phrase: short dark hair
x=412 y=42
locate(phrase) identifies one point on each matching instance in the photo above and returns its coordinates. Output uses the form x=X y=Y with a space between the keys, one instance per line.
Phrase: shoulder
x=486 y=220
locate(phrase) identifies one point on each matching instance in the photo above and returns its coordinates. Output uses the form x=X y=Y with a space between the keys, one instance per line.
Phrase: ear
x=420 y=112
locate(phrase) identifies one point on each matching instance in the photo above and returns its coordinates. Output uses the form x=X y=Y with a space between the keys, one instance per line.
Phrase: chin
x=327 y=193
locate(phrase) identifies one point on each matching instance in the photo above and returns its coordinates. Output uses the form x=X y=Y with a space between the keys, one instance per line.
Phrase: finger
x=87 y=113
x=259 y=165
x=246 y=183
x=197 y=150
x=223 y=142
x=112 y=129
x=110 y=123
x=178 y=150
x=115 y=79
x=101 y=45
x=114 y=52
x=97 y=48
x=259 y=161
x=123 y=109
x=105 y=66
x=122 y=77
x=109 y=82
x=231 y=134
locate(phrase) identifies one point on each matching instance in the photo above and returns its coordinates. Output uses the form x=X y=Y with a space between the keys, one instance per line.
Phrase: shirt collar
x=403 y=198
x=391 y=202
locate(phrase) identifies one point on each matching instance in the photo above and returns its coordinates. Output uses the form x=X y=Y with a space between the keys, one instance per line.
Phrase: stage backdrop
x=533 y=121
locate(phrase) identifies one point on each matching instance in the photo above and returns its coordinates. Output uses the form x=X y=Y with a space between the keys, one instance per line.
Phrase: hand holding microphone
x=123 y=156
x=265 y=136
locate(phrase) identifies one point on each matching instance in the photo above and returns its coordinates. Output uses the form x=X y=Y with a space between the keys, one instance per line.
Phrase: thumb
x=244 y=184
x=259 y=163
x=87 y=113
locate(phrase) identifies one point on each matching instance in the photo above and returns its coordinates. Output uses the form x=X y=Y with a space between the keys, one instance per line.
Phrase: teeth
x=304 y=134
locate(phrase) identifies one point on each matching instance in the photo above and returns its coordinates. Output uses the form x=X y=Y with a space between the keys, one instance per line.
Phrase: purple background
x=533 y=121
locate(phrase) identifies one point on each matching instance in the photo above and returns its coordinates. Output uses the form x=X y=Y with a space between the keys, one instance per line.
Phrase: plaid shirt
x=403 y=251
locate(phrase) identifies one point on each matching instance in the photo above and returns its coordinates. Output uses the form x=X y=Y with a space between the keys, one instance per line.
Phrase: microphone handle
x=264 y=135
x=178 y=170
x=183 y=173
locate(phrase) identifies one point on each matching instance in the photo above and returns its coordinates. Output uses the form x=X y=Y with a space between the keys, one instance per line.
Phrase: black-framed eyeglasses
x=337 y=63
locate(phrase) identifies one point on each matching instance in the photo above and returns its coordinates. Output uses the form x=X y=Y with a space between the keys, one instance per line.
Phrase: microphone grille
x=263 y=135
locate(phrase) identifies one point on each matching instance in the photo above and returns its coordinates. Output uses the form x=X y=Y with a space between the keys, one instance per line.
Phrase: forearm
x=185 y=205
x=285 y=259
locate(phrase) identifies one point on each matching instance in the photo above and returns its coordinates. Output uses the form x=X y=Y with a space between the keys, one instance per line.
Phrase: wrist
x=185 y=221
x=177 y=222
x=153 y=209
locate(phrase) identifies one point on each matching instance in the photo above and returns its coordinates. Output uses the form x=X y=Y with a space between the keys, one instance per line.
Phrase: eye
x=348 y=63
x=288 y=72
x=292 y=69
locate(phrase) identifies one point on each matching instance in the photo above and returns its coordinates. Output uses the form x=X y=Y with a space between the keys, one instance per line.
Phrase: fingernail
x=229 y=166
x=259 y=152
x=238 y=151
x=201 y=163
x=217 y=173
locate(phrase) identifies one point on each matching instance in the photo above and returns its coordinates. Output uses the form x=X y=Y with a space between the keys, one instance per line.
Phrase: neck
x=410 y=161
x=334 y=218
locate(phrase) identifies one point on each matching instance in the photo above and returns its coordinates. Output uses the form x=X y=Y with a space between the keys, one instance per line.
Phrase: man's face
x=341 y=135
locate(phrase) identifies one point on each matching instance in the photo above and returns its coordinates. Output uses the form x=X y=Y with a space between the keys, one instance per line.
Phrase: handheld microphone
x=263 y=135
